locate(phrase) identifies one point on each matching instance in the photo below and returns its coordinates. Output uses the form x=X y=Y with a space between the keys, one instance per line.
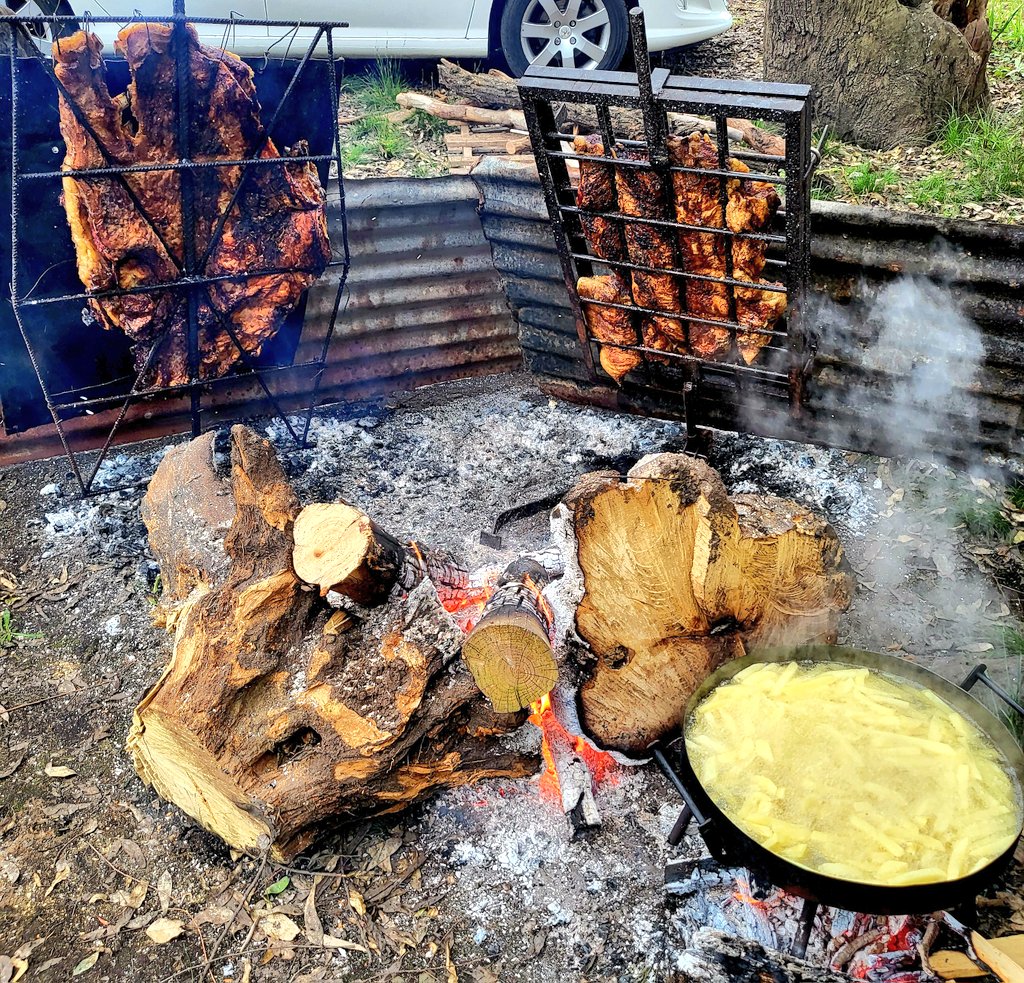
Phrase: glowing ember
x=600 y=763
x=467 y=605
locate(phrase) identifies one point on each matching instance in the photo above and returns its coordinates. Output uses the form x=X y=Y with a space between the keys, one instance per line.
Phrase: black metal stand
x=784 y=363
x=194 y=276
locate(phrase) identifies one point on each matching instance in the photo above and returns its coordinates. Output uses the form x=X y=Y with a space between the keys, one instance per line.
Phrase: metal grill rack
x=782 y=367
x=193 y=276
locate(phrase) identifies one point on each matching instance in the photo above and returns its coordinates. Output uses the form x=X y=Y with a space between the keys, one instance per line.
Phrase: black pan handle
x=670 y=774
x=979 y=674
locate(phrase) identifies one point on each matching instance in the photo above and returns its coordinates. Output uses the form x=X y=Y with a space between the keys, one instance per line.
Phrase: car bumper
x=673 y=23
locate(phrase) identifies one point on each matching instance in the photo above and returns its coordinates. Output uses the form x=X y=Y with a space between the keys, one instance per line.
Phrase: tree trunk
x=678 y=578
x=278 y=716
x=886 y=72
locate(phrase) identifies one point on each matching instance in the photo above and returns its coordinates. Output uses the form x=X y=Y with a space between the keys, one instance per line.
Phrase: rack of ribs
x=278 y=223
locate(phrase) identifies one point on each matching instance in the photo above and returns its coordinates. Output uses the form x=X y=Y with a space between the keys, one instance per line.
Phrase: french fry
x=854 y=774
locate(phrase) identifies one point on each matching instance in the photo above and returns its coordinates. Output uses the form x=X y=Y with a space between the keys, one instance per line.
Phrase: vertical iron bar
x=722 y=140
x=346 y=259
x=655 y=123
x=798 y=210
x=554 y=179
x=186 y=186
x=15 y=31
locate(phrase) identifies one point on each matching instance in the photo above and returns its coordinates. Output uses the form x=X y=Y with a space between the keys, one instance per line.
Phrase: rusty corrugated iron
x=424 y=305
x=855 y=253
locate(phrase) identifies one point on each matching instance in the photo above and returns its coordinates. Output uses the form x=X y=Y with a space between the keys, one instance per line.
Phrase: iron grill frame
x=192 y=278
x=782 y=369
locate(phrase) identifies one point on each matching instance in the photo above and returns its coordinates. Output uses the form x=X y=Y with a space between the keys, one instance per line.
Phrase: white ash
x=834 y=482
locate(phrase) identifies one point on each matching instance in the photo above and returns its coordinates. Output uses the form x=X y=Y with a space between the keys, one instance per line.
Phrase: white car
x=589 y=34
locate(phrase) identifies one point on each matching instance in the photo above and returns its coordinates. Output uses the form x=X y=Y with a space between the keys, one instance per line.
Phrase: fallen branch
x=512 y=118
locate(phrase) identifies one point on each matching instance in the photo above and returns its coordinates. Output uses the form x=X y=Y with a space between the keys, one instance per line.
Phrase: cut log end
x=511 y=660
x=337 y=547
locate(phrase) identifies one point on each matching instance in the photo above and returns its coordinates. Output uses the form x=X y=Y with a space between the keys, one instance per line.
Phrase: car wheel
x=586 y=34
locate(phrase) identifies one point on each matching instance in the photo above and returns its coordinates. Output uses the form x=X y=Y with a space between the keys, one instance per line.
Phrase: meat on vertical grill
x=750 y=207
x=596 y=192
x=610 y=325
x=641 y=192
x=278 y=223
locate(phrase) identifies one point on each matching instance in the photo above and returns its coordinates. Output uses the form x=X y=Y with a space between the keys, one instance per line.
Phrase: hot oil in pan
x=854 y=773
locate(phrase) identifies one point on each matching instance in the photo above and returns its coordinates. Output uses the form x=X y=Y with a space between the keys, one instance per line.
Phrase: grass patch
x=8 y=636
x=376 y=91
x=1006 y=22
x=982 y=519
x=1011 y=647
x=865 y=179
x=430 y=127
x=383 y=137
x=991 y=153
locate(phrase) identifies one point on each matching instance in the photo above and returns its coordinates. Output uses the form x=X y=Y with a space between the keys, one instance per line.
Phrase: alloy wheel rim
x=566 y=33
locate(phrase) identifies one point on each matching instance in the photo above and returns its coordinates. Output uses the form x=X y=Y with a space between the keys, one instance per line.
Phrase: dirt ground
x=101 y=880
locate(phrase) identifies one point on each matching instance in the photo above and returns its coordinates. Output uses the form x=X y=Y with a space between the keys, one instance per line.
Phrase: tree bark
x=278 y=716
x=886 y=72
x=678 y=578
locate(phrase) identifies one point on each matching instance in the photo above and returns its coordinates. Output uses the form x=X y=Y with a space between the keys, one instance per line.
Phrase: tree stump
x=678 y=578
x=278 y=716
x=886 y=72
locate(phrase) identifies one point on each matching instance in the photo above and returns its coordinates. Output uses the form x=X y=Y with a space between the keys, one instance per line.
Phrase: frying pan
x=732 y=847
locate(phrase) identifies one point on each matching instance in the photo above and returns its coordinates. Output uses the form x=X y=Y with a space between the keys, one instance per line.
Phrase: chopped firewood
x=512 y=118
x=129 y=233
x=340 y=548
x=509 y=650
x=496 y=90
x=760 y=140
x=952 y=965
x=678 y=578
x=188 y=510
x=1004 y=964
x=278 y=717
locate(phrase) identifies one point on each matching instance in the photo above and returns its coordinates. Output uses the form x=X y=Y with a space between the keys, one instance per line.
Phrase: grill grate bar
x=701 y=237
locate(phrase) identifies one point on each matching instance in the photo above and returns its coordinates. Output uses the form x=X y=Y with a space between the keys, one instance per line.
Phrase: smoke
x=900 y=369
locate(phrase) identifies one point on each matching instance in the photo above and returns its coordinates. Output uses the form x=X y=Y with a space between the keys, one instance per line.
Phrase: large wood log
x=278 y=716
x=885 y=72
x=678 y=578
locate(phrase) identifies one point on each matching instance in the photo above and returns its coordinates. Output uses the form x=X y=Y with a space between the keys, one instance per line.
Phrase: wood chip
x=1004 y=966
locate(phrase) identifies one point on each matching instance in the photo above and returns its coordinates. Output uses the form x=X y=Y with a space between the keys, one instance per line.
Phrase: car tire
x=529 y=35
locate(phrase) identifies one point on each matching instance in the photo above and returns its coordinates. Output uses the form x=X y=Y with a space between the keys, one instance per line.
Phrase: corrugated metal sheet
x=855 y=252
x=424 y=305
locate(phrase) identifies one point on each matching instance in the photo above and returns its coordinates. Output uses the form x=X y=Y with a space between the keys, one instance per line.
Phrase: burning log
x=339 y=547
x=697 y=579
x=278 y=716
x=509 y=651
x=714 y=957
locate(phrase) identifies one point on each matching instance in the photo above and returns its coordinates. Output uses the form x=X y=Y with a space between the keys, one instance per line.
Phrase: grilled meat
x=278 y=223
x=641 y=192
x=750 y=207
x=609 y=325
x=596 y=192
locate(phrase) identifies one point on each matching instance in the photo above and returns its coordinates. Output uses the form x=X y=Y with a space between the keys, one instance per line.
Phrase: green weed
x=864 y=179
x=377 y=91
x=429 y=126
x=982 y=519
x=381 y=136
x=8 y=636
x=991 y=152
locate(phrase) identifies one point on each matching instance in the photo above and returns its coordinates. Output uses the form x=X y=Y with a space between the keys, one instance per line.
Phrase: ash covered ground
x=481 y=883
